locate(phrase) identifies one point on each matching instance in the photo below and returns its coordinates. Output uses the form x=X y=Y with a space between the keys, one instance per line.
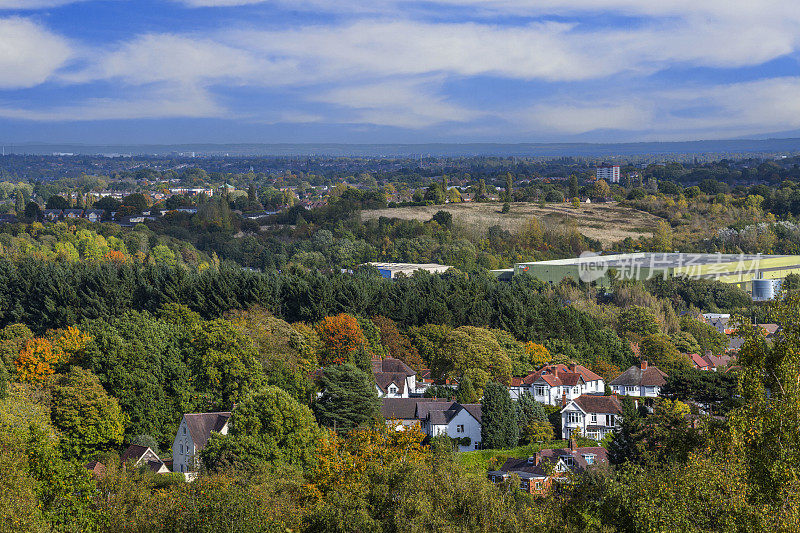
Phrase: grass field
x=606 y=222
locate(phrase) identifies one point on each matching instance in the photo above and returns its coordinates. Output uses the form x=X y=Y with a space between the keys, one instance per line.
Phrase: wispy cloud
x=29 y=53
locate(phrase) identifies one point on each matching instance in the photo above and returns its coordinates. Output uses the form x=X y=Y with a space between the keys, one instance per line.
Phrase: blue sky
x=183 y=71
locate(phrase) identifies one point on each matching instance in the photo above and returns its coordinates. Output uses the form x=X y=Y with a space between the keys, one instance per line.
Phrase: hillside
x=608 y=222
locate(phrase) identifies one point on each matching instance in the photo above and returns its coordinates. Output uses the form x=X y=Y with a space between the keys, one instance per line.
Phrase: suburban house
x=699 y=362
x=537 y=472
x=51 y=214
x=193 y=433
x=639 y=380
x=144 y=456
x=94 y=215
x=438 y=417
x=73 y=213
x=557 y=384
x=394 y=378
x=594 y=416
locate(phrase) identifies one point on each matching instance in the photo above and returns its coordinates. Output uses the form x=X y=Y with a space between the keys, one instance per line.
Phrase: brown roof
x=134 y=453
x=536 y=464
x=200 y=425
x=390 y=364
x=402 y=408
x=384 y=379
x=636 y=377
x=97 y=469
x=590 y=403
x=475 y=409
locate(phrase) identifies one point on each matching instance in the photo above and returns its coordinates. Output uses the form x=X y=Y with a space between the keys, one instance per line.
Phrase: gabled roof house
x=193 y=433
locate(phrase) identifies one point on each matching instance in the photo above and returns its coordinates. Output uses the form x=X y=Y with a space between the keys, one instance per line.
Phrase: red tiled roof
x=590 y=403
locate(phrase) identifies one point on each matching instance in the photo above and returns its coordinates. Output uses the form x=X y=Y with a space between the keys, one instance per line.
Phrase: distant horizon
x=738 y=147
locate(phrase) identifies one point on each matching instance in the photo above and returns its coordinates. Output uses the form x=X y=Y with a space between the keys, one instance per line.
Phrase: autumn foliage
x=398 y=345
x=341 y=336
x=37 y=361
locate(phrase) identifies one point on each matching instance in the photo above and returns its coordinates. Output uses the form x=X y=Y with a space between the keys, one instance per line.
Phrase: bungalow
x=193 y=434
x=436 y=417
x=537 y=472
x=73 y=213
x=640 y=380
x=143 y=456
x=594 y=416
x=394 y=378
x=699 y=362
x=556 y=384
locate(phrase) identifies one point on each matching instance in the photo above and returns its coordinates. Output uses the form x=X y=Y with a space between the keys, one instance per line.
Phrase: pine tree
x=509 y=187
x=348 y=397
x=498 y=418
x=465 y=393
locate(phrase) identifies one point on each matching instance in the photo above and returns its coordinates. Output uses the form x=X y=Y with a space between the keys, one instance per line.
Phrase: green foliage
x=348 y=399
x=715 y=389
x=637 y=322
x=89 y=418
x=474 y=353
x=267 y=426
x=224 y=363
x=659 y=351
x=709 y=339
x=499 y=427
x=465 y=392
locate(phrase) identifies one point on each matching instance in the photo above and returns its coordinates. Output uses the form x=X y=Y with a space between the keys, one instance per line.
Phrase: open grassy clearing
x=608 y=222
x=478 y=460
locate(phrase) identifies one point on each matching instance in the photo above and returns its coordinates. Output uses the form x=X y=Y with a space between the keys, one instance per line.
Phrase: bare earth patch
x=606 y=222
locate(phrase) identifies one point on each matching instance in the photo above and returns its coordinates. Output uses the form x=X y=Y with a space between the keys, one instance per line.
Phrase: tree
x=37 y=361
x=89 y=418
x=57 y=202
x=341 y=336
x=573 y=186
x=600 y=189
x=481 y=196
x=509 y=188
x=659 y=351
x=33 y=211
x=536 y=354
x=708 y=338
x=662 y=237
x=267 y=426
x=506 y=208
x=635 y=322
x=443 y=218
x=498 y=418
x=532 y=420
x=224 y=363
x=472 y=352
x=348 y=399
x=714 y=389
x=396 y=344
x=465 y=392
x=19 y=203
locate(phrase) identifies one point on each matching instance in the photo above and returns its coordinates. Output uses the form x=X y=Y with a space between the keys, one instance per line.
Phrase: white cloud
x=165 y=102
x=588 y=116
x=34 y=4
x=29 y=53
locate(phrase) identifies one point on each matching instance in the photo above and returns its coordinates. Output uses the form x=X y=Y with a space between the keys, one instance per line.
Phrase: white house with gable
x=193 y=434
x=594 y=416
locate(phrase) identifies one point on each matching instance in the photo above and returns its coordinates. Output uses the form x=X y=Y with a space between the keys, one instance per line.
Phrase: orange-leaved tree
x=537 y=354
x=342 y=336
x=37 y=361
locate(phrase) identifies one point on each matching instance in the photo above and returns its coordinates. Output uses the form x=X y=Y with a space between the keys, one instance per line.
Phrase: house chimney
x=572 y=367
x=643 y=365
x=534 y=459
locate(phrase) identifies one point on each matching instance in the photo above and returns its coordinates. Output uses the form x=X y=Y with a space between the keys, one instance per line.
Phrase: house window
x=523 y=485
x=184 y=430
x=538 y=485
x=574 y=418
x=610 y=420
x=460 y=428
x=594 y=418
x=575 y=390
x=541 y=391
x=632 y=389
x=181 y=448
x=589 y=459
x=568 y=460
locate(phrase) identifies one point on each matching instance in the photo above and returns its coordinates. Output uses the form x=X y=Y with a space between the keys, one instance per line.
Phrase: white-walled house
x=193 y=434
x=556 y=384
x=144 y=456
x=436 y=417
x=639 y=380
x=394 y=378
x=596 y=416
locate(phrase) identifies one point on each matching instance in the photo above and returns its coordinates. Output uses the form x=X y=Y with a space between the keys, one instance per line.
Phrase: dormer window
x=589 y=458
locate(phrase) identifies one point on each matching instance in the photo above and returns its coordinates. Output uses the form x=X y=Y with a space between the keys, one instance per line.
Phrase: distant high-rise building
x=610 y=173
